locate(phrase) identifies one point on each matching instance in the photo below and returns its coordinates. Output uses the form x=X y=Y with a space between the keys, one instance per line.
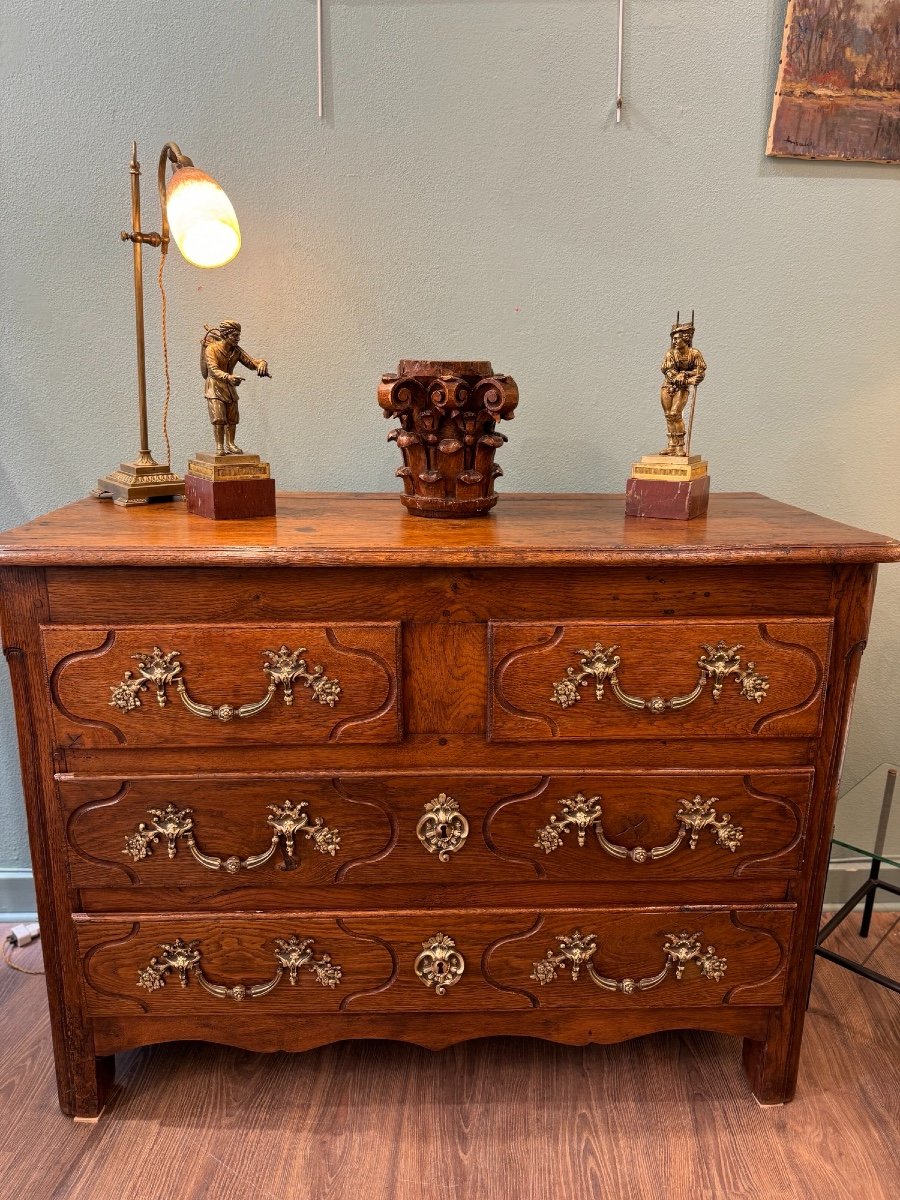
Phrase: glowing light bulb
x=202 y=220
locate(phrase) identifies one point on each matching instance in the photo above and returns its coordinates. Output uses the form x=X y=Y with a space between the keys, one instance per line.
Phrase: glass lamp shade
x=201 y=219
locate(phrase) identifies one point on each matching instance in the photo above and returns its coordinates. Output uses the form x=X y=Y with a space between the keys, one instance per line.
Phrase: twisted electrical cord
x=165 y=350
x=7 y=951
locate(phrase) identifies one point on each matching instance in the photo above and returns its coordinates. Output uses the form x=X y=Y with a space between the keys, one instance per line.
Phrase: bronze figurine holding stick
x=219 y=355
x=674 y=484
x=684 y=369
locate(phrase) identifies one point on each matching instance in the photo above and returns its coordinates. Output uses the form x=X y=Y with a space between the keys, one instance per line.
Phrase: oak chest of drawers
x=348 y=773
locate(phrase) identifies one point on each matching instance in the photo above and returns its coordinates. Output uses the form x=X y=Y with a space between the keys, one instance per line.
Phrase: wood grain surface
x=339 y=529
x=428 y=595
x=402 y=611
x=376 y=956
x=658 y=658
x=376 y=818
x=500 y=1119
x=224 y=664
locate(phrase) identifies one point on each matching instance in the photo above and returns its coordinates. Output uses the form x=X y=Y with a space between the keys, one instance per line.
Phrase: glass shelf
x=860 y=826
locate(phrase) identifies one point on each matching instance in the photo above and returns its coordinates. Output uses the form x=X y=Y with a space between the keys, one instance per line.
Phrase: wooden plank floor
x=668 y=1116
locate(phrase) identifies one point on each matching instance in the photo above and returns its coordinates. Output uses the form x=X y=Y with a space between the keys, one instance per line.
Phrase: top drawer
x=658 y=679
x=217 y=685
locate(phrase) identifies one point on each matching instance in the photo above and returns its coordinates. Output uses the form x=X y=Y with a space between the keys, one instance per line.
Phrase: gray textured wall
x=468 y=196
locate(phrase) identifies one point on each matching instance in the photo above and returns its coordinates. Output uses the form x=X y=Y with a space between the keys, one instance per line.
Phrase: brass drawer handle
x=440 y=965
x=284 y=667
x=291 y=955
x=286 y=820
x=693 y=816
x=716 y=664
x=443 y=828
x=577 y=949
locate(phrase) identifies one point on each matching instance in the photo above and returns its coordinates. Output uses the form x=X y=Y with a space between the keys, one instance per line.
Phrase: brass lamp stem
x=145 y=479
x=137 y=248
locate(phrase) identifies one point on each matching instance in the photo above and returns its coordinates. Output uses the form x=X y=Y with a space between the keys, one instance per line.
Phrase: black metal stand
x=867 y=894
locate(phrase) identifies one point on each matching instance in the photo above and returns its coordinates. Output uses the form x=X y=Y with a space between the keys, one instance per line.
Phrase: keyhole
x=440 y=968
x=443 y=831
x=288 y=863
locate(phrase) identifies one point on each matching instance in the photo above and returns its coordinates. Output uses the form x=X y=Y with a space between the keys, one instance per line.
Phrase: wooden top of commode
x=342 y=529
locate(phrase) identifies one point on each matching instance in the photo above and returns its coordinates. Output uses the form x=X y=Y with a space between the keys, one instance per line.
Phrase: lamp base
x=141 y=482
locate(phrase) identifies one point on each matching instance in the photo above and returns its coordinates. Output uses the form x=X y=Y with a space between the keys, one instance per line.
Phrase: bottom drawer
x=444 y=961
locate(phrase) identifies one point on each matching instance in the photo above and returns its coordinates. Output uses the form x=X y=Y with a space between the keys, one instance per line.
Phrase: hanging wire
x=319 y=67
x=619 y=63
x=165 y=350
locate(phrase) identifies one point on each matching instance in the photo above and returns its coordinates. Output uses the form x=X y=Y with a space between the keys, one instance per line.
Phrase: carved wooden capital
x=448 y=413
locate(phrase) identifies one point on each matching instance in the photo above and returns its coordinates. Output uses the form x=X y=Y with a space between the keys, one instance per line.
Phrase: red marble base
x=229 y=499
x=676 y=500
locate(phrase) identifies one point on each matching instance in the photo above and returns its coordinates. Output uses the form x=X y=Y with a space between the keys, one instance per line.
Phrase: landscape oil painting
x=838 y=89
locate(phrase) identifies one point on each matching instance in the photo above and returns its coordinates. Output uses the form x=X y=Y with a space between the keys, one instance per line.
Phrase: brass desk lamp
x=199 y=216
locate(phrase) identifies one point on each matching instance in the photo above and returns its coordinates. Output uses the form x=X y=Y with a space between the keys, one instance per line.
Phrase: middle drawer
x=280 y=834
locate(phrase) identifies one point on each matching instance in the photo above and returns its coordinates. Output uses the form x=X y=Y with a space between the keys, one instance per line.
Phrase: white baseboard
x=842 y=883
x=17 y=901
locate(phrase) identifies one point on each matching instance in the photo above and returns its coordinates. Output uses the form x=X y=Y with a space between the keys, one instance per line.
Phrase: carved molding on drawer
x=716 y=664
x=704 y=825
x=68 y=660
x=491 y=816
x=764 y=862
x=506 y=940
x=103 y=683
x=577 y=950
x=815 y=662
x=781 y=944
x=158 y=668
x=384 y=984
x=693 y=816
x=391 y=674
x=291 y=955
x=371 y=800
x=741 y=678
x=94 y=951
x=287 y=820
x=72 y=832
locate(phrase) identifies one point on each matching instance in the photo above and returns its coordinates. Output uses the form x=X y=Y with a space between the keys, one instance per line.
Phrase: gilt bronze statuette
x=683 y=369
x=227 y=483
x=674 y=483
x=219 y=355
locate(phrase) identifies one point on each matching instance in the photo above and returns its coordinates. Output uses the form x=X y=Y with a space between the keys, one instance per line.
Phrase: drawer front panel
x=224 y=685
x=499 y=952
x=443 y=961
x=201 y=965
x=219 y=835
x=658 y=679
x=650 y=959
x=641 y=827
